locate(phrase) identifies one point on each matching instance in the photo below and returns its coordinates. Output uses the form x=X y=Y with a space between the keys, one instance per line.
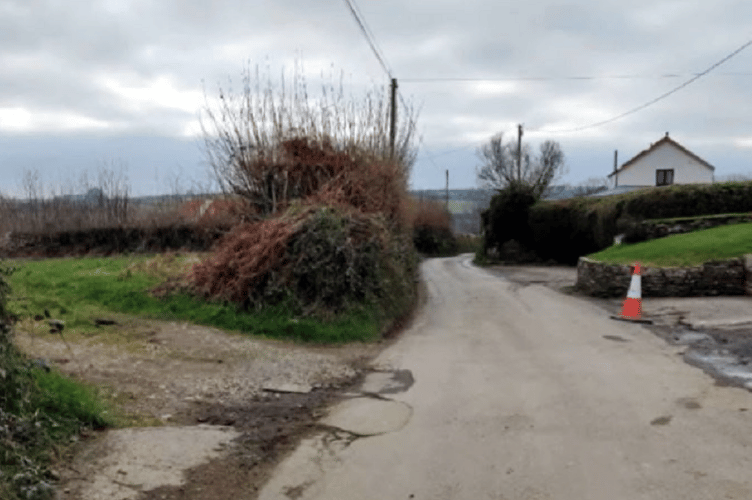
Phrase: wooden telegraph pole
x=616 y=162
x=519 y=152
x=446 y=201
x=393 y=120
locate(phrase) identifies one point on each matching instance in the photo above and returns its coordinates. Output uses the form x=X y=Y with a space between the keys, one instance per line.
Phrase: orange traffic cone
x=632 y=308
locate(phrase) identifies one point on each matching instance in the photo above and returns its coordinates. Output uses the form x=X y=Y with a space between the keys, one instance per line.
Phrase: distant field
x=689 y=249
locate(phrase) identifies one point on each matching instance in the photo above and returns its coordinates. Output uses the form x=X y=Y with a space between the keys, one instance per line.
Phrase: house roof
x=665 y=140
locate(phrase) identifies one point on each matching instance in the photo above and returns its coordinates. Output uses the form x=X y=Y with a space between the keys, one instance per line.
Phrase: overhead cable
x=653 y=101
x=369 y=37
x=556 y=78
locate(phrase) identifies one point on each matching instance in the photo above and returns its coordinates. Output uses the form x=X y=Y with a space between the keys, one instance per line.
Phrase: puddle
x=723 y=365
x=724 y=355
x=689 y=338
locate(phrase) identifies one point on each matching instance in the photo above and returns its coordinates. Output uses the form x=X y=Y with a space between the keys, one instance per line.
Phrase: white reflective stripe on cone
x=635 y=290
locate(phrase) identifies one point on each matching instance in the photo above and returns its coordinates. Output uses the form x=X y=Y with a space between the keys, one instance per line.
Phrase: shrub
x=315 y=260
x=432 y=233
x=507 y=218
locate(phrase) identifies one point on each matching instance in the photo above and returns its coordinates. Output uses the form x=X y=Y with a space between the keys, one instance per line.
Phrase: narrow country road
x=521 y=393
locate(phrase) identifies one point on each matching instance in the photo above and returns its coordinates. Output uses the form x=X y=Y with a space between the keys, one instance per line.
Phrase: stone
x=57 y=324
x=727 y=277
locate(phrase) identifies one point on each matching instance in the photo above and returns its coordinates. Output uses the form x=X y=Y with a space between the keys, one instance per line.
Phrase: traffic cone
x=632 y=308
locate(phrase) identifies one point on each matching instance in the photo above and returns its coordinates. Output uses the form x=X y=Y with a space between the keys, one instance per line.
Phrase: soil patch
x=163 y=373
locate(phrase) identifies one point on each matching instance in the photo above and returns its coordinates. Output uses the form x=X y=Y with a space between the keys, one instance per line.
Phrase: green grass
x=41 y=411
x=689 y=249
x=70 y=403
x=79 y=290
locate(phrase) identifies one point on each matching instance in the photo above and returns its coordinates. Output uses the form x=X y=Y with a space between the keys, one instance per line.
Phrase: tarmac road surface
x=508 y=392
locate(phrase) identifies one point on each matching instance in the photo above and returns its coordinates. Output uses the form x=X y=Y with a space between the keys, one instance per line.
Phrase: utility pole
x=393 y=121
x=616 y=162
x=446 y=201
x=519 y=152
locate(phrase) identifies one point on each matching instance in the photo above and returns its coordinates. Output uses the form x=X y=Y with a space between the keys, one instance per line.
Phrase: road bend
x=506 y=392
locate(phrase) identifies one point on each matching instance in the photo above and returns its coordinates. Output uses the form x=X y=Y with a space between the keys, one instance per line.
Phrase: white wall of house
x=687 y=170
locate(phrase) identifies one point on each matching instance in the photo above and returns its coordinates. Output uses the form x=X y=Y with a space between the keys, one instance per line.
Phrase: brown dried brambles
x=345 y=213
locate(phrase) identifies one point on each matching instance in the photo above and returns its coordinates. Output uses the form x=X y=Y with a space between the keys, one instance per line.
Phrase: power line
x=659 y=98
x=603 y=122
x=557 y=78
x=369 y=38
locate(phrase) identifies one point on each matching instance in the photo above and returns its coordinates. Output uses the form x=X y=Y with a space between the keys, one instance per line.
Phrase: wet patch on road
x=387 y=382
x=689 y=403
x=368 y=416
x=725 y=355
x=270 y=427
x=615 y=338
x=664 y=420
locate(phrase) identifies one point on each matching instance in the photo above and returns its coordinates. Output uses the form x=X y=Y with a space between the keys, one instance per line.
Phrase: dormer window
x=664 y=177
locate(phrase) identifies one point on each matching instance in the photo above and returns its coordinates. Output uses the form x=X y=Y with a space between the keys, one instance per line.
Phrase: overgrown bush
x=325 y=252
x=432 y=229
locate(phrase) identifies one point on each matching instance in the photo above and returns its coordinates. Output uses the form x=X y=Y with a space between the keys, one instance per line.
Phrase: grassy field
x=79 y=290
x=689 y=249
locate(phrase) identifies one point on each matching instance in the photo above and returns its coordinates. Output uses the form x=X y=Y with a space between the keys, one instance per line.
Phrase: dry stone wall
x=655 y=230
x=725 y=277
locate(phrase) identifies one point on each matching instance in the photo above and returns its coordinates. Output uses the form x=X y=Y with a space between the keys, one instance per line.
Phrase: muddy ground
x=176 y=375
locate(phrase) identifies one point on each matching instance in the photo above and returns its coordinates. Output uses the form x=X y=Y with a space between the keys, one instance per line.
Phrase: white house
x=663 y=163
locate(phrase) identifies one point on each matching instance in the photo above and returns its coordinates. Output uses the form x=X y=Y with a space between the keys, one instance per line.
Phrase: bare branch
x=499 y=165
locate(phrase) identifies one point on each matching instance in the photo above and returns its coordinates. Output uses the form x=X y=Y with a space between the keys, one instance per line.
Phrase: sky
x=121 y=85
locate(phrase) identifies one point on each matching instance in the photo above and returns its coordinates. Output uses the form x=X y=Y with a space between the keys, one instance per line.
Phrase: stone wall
x=726 y=277
x=655 y=230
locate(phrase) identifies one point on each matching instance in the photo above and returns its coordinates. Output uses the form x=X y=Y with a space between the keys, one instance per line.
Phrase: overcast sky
x=121 y=83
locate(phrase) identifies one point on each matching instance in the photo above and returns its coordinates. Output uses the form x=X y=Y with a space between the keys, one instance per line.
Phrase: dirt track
x=174 y=375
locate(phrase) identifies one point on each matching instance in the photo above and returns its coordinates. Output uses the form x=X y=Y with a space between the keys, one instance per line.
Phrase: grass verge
x=681 y=250
x=79 y=290
x=41 y=411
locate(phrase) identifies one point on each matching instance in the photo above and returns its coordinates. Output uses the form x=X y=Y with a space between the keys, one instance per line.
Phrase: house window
x=664 y=177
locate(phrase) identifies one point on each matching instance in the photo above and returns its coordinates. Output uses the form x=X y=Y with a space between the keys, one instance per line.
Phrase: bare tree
x=499 y=168
x=591 y=186
x=113 y=192
x=244 y=133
